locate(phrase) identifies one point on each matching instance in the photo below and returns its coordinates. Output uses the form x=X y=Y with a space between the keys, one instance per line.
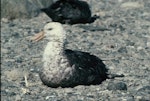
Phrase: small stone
x=139 y=48
x=130 y=43
x=48 y=97
x=145 y=89
x=14 y=75
x=131 y=5
x=5 y=20
x=18 y=59
x=148 y=44
x=122 y=50
x=117 y=86
x=111 y=67
x=68 y=91
x=15 y=34
x=142 y=98
x=18 y=98
x=127 y=99
x=3 y=50
x=11 y=25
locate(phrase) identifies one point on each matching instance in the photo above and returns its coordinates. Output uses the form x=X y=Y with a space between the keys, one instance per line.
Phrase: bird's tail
x=93 y=18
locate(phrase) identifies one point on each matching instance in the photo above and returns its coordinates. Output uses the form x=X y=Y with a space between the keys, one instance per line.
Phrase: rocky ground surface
x=13 y=9
x=121 y=37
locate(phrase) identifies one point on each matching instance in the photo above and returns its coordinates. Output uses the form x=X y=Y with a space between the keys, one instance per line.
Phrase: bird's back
x=69 y=11
x=90 y=68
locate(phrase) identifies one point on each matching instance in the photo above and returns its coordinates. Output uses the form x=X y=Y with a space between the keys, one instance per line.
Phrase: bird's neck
x=53 y=50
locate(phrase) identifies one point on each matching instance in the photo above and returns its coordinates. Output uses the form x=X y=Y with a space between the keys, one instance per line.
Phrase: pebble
x=148 y=44
x=11 y=25
x=117 y=86
x=122 y=50
x=5 y=20
x=145 y=89
x=15 y=34
x=139 y=48
x=5 y=51
x=132 y=5
x=18 y=98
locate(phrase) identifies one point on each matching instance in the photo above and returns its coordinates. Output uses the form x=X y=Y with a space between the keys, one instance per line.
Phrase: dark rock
x=11 y=25
x=130 y=43
x=122 y=50
x=93 y=28
x=117 y=86
x=145 y=89
x=15 y=34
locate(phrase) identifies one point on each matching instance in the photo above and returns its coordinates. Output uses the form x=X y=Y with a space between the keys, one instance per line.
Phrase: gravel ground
x=121 y=37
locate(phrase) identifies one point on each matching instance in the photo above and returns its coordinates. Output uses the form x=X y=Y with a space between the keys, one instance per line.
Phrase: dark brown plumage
x=69 y=11
x=87 y=64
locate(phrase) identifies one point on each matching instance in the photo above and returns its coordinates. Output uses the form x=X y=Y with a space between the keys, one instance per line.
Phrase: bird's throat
x=53 y=49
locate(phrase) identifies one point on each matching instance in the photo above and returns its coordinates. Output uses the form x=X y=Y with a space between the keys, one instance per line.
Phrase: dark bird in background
x=70 y=11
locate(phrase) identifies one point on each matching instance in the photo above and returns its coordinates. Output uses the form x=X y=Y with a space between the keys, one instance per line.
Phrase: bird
x=70 y=12
x=64 y=67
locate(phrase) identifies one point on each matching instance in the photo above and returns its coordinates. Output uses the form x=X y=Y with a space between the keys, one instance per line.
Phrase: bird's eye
x=49 y=28
x=47 y=22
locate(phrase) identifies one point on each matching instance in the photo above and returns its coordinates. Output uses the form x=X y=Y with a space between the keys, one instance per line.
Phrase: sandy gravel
x=121 y=37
